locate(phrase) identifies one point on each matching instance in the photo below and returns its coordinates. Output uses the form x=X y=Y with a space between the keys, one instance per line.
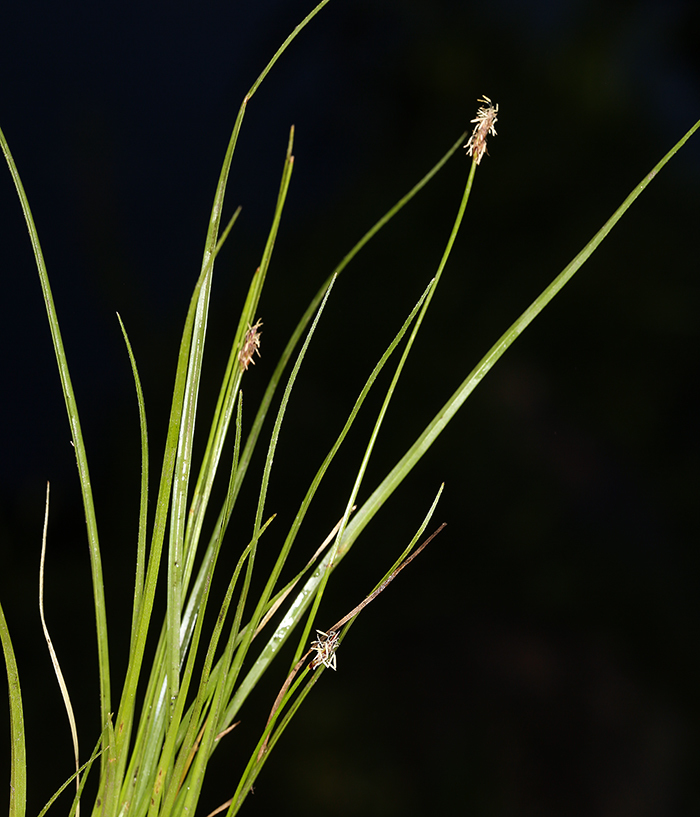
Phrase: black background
x=540 y=656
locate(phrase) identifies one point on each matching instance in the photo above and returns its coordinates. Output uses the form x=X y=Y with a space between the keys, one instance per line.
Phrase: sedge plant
x=160 y=730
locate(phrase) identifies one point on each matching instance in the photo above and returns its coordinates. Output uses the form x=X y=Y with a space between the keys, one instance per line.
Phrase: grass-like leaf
x=77 y=440
x=18 y=749
x=96 y=752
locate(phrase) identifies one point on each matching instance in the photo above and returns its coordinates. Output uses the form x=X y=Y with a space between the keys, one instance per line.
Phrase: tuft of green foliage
x=154 y=749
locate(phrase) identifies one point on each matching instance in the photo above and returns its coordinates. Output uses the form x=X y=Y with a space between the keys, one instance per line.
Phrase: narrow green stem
x=390 y=393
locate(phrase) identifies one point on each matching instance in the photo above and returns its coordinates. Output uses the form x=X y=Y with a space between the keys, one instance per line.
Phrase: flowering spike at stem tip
x=486 y=118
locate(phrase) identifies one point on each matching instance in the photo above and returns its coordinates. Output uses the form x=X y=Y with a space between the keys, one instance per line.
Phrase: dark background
x=540 y=657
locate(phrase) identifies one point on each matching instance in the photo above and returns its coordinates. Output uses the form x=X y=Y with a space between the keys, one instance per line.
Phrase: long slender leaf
x=18 y=749
x=143 y=502
x=78 y=443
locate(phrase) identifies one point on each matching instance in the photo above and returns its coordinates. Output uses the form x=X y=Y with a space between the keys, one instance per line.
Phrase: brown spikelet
x=251 y=346
x=485 y=120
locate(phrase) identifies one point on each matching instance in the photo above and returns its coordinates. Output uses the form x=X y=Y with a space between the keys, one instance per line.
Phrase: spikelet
x=251 y=346
x=485 y=120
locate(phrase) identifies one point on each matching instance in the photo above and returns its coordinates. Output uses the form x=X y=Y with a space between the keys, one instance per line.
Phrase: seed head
x=251 y=346
x=485 y=120
x=325 y=645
